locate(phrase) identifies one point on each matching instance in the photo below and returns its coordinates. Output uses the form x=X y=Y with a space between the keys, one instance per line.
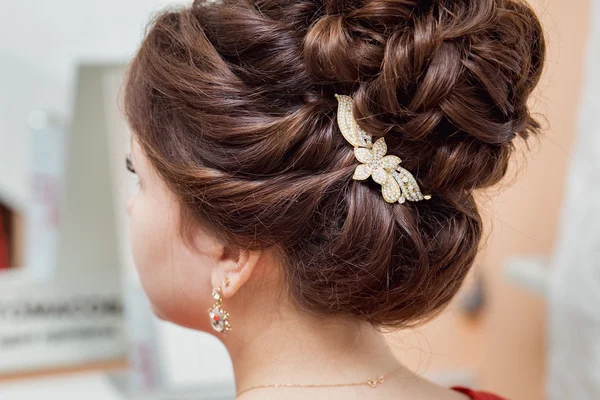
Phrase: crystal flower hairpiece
x=398 y=185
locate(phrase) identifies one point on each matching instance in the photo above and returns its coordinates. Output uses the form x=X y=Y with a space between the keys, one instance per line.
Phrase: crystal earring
x=219 y=319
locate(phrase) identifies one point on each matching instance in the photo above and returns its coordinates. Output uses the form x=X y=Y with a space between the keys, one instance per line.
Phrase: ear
x=234 y=268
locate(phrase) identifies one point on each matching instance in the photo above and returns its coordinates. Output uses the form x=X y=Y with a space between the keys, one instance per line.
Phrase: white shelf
x=91 y=386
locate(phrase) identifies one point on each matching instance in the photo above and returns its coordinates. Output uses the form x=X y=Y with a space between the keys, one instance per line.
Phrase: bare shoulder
x=424 y=389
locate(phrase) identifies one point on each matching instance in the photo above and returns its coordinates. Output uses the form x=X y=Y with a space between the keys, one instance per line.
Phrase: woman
x=307 y=171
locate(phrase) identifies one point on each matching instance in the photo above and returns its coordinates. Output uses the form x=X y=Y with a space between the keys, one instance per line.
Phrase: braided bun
x=233 y=102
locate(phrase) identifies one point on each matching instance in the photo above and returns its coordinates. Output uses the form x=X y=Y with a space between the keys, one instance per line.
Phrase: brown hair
x=233 y=102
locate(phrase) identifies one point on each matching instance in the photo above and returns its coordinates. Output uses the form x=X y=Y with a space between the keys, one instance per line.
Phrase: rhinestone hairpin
x=397 y=184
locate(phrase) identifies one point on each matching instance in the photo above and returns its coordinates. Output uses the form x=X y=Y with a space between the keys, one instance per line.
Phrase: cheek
x=150 y=223
x=176 y=280
x=151 y=226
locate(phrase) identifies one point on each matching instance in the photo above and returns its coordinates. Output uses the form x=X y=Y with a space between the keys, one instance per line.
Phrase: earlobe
x=234 y=269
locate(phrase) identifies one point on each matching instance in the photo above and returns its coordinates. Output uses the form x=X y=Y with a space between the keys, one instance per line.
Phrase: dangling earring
x=219 y=319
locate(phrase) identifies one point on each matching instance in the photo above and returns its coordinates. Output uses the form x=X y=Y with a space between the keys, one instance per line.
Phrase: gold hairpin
x=398 y=185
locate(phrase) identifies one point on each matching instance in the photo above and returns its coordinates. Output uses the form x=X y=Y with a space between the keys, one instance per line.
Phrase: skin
x=272 y=340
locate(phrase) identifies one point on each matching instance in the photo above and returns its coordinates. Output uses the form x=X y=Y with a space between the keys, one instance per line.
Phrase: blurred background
x=74 y=320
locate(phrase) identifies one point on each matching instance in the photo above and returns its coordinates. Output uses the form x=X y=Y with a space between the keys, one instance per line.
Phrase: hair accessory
x=398 y=185
x=219 y=319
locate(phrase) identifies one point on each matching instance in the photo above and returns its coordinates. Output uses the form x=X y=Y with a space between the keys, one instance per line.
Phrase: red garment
x=477 y=395
x=4 y=250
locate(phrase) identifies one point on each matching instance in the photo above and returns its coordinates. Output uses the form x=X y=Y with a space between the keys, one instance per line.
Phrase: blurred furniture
x=65 y=306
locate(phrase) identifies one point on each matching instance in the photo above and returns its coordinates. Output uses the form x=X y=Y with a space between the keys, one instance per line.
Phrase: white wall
x=41 y=43
x=574 y=291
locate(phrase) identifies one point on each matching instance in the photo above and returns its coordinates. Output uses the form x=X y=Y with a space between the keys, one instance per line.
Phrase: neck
x=299 y=349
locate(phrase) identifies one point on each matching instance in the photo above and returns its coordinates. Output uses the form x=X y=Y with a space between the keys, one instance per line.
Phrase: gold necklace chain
x=372 y=383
